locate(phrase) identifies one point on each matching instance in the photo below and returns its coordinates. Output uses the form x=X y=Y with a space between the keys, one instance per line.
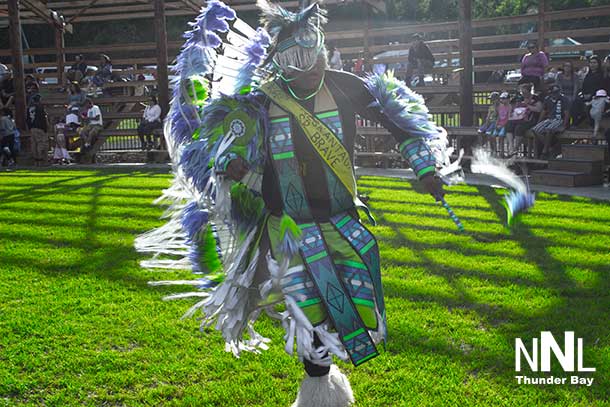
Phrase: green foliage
x=80 y=326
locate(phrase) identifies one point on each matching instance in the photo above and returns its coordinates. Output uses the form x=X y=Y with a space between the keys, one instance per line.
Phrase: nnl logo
x=548 y=345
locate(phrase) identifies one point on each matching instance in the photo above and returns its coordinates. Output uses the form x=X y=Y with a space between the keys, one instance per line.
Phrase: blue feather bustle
x=197 y=128
x=517 y=202
x=405 y=108
x=256 y=51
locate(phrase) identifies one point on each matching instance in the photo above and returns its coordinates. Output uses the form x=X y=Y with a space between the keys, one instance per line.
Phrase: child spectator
x=599 y=105
x=503 y=110
x=60 y=153
x=492 y=116
x=554 y=119
x=36 y=121
x=73 y=117
x=524 y=116
x=8 y=130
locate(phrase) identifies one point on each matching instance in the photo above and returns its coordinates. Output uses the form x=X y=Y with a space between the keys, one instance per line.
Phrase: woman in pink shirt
x=533 y=65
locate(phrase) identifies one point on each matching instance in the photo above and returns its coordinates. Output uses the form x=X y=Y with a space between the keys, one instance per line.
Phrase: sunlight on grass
x=80 y=325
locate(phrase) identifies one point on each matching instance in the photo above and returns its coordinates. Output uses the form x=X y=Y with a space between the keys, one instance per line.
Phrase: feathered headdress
x=298 y=37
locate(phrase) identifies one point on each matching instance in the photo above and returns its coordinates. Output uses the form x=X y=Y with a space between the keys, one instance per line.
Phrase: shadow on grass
x=106 y=260
x=570 y=308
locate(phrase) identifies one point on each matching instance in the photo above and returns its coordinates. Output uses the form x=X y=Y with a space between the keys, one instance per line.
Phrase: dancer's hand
x=433 y=185
x=237 y=168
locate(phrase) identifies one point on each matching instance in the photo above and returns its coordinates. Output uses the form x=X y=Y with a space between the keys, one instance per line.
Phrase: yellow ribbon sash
x=328 y=146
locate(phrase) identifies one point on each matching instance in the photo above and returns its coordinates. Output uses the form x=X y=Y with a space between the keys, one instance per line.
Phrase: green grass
x=80 y=326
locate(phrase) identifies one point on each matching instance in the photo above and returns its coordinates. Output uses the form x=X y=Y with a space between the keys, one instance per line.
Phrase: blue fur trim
x=256 y=50
x=193 y=220
x=405 y=108
x=289 y=246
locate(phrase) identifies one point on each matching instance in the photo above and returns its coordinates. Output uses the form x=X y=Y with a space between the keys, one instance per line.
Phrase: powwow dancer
x=261 y=136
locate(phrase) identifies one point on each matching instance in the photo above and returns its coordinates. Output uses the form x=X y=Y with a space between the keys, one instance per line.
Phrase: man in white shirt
x=151 y=121
x=93 y=125
x=335 y=59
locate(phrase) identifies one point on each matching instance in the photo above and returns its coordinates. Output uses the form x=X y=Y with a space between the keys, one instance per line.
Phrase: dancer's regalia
x=287 y=232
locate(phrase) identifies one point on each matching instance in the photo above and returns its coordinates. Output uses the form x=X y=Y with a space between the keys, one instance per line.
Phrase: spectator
x=420 y=61
x=3 y=72
x=104 y=74
x=554 y=119
x=504 y=110
x=359 y=65
x=7 y=91
x=594 y=81
x=533 y=65
x=87 y=82
x=73 y=116
x=37 y=122
x=335 y=61
x=151 y=121
x=89 y=132
x=524 y=116
x=31 y=89
x=77 y=71
x=568 y=82
x=599 y=105
x=60 y=153
x=76 y=97
x=8 y=130
x=489 y=124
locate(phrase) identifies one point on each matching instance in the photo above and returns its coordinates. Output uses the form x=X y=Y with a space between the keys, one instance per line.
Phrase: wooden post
x=467 y=75
x=17 y=55
x=365 y=45
x=161 y=39
x=541 y=24
x=60 y=55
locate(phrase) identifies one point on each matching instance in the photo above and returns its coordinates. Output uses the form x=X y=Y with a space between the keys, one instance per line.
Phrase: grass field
x=80 y=326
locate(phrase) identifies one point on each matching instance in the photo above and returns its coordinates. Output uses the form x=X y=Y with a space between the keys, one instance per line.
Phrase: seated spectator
x=569 y=83
x=151 y=121
x=104 y=73
x=76 y=97
x=7 y=91
x=504 y=110
x=554 y=119
x=73 y=115
x=60 y=153
x=31 y=89
x=594 y=81
x=524 y=115
x=533 y=65
x=599 y=105
x=36 y=121
x=489 y=124
x=93 y=126
x=8 y=132
x=77 y=71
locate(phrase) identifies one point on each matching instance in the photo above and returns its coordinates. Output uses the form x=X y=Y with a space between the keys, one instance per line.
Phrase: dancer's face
x=309 y=79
